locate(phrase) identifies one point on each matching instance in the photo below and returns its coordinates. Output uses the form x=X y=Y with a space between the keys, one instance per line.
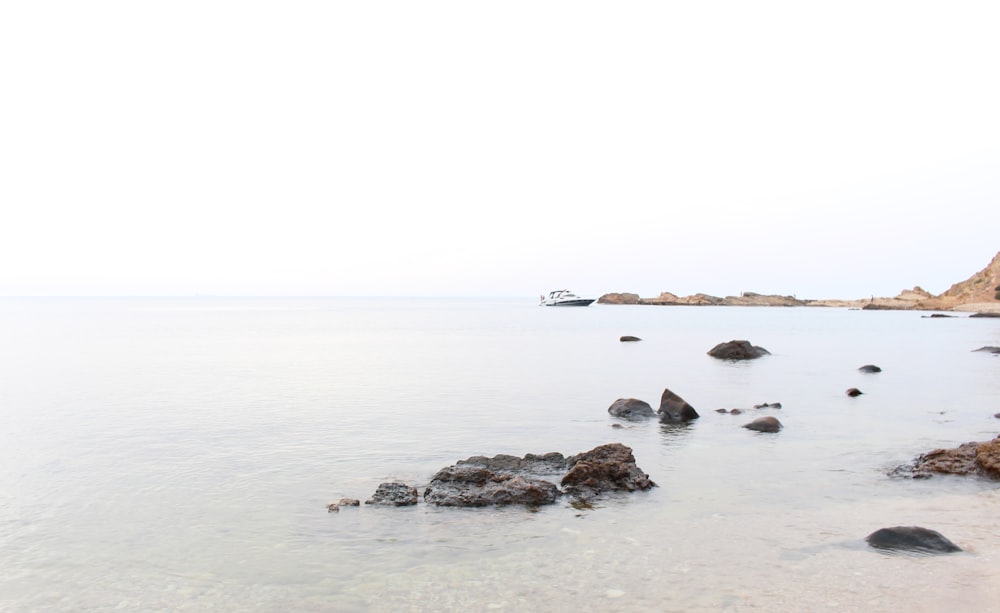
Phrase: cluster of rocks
x=502 y=480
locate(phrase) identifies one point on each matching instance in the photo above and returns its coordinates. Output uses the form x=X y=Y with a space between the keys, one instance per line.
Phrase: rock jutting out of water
x=982 y=459
x=737 y=350
x=988 y=349
x=853 y=392
x=870 y=368
x=764 y=424
x=675 y=408
x=911 y=538
x=394 y=495
x=631 y=408
x=629 y=339
x=506 y=480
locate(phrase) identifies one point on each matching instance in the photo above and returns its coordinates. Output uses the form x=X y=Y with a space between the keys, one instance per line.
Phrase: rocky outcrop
x=631 y=408
x=764 y=424
x=981 y=459
x=988 y=349
x=673 y=408
x=394 y=495
x=623 y=298
x=984 y=286
x=608 y=468
x=505 y=480
x=911 y=538
x=737 y=350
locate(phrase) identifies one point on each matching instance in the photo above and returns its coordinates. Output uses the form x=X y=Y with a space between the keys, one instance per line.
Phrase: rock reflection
x=674 y=432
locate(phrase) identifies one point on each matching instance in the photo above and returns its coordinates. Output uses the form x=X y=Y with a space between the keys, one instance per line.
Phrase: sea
x=179 y=454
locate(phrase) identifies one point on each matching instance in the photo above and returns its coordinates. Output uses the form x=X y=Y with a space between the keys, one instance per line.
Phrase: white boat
x=564 y=297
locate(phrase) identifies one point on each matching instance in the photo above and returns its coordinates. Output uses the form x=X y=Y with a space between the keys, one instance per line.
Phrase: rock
x=936 y=316
x=477 y=486
x=349 y=502
x=735 y=411
x=997 y=415
x=870 y=368
x=967 y=459
x=911 y=538
x=737 y=350
x=608 y=468
x=721 y=410
x=764 y=424
x=619 y=298
x=553 y=463
x=394 y=494
x=988 y=458
x=989 y=349
x=990 y=314
x=854 y=392
x=630 y=339
x=675 y=408
x=631 y=408
x=333 y=507
x=768 y=405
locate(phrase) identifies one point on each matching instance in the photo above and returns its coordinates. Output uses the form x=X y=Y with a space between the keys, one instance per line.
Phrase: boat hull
x=581 y=302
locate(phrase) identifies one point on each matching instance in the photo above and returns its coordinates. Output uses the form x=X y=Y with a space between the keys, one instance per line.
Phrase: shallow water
x=179 y=454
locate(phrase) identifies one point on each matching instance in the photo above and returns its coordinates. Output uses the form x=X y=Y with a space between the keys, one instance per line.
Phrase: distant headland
x=978 y=293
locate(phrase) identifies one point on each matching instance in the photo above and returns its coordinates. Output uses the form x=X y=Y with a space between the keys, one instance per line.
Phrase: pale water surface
x=178 y=454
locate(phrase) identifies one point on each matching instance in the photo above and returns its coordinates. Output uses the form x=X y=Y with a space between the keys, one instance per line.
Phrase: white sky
x=827 y=150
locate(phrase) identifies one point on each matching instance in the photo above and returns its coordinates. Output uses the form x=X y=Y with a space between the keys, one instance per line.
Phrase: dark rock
x=629 y=339
x=608 y=468
x=936 y=316
x=476 y=486
x=764 y=424
x=911 y=538
x=870 y=368
x=349 y=502
x=721 y=410
x=553 y=463
x=997 y=415
x=618 y=426
x=675 y=408
x=989 y=349
x=631 y=408
x=853 y=392
x=768 y=405
x=735 y=411
x=737 y=350
x=333 y=507
x=985 y=315
x=394 y=494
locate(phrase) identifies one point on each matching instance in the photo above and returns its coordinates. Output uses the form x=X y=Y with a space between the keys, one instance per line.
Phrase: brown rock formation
x=966 y=459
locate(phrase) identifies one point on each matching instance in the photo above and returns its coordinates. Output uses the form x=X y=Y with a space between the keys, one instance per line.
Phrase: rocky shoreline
x=979 y=293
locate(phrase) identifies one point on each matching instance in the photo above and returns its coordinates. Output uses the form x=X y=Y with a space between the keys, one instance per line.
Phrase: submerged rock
x=394 y=495
x=737 y=350
x=764 y=424
x=768 y=405
x=608 y=468
x=911 y=538
x=675 y=408
x=870 y=368
x=631 y=408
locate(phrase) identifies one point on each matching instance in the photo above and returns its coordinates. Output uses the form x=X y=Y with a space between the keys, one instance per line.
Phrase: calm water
x=179 y=454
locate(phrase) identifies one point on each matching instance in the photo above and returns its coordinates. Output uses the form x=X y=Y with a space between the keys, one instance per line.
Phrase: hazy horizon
x=448 y=148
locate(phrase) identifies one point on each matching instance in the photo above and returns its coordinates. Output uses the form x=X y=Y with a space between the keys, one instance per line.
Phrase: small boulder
x=869 y=368
x=737 y=350
x=394 y=495
x=629 y=339
x=607 y=468
x=768 y=405
x=911 y=538
x=764 y=424
x=675 y=408
x=631 y=408
x=349 y=502
x=854 y=392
